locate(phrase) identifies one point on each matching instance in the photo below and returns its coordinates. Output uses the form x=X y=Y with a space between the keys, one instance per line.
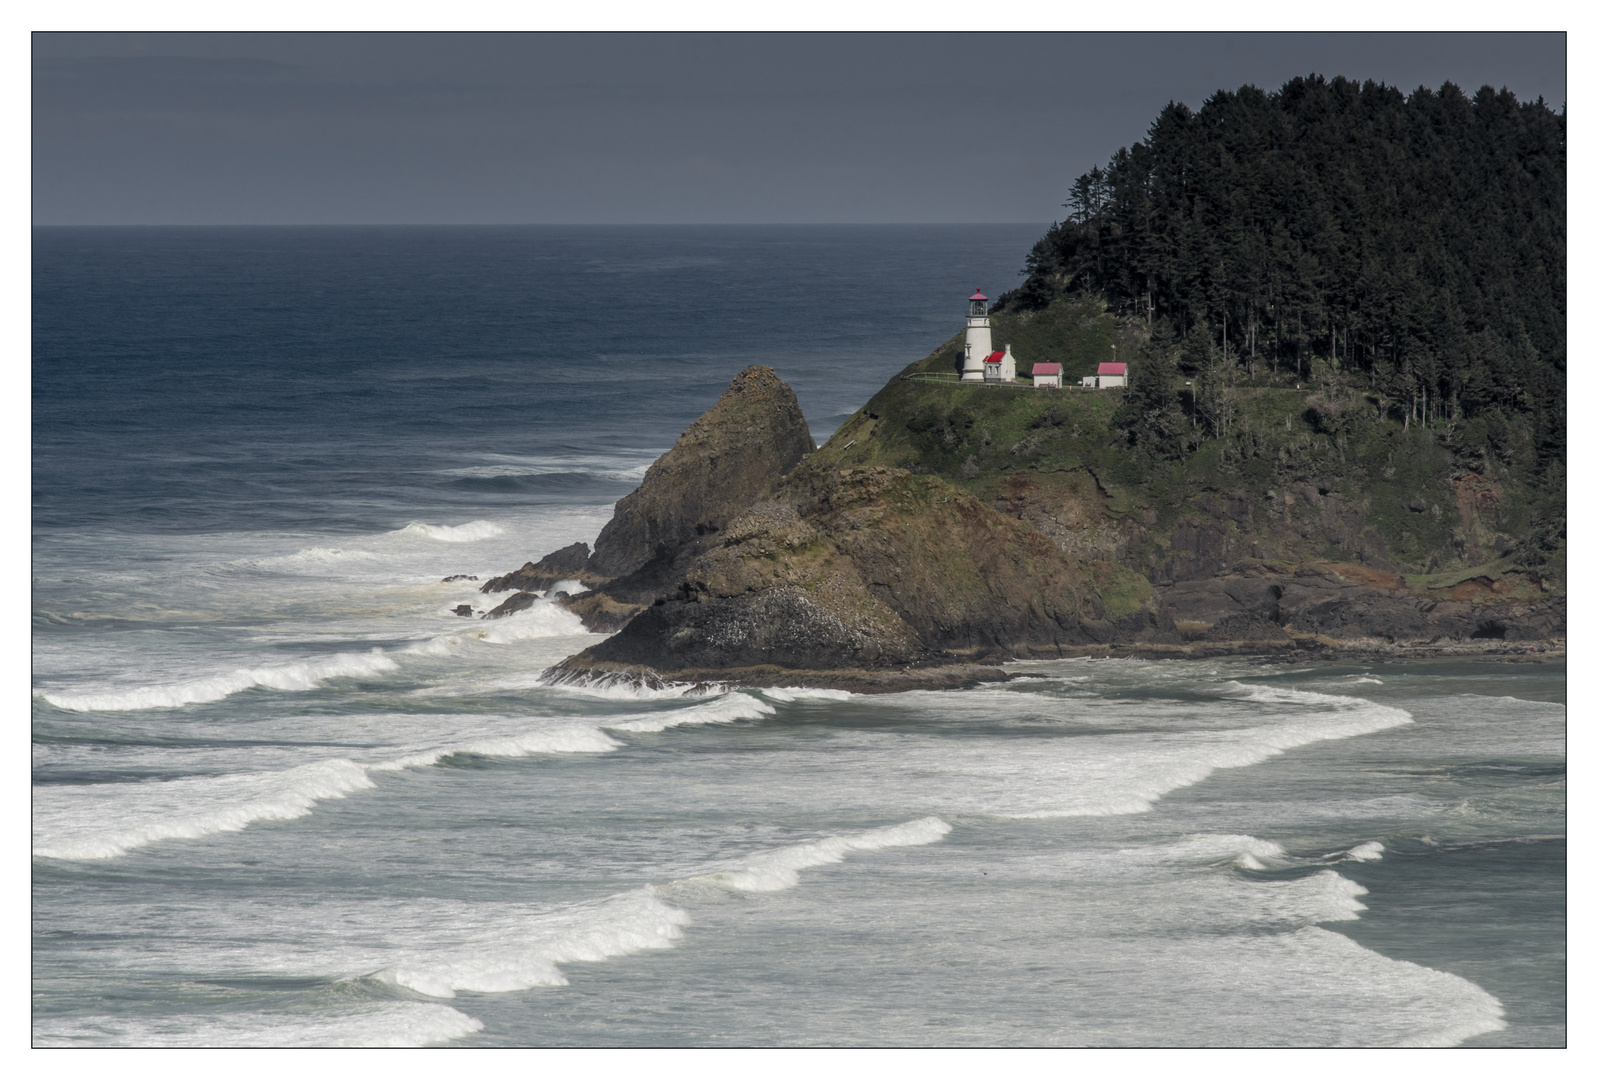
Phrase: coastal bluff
x=746 y=557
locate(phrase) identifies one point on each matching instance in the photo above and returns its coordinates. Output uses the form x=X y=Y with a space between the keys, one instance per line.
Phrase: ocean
x=284 y=796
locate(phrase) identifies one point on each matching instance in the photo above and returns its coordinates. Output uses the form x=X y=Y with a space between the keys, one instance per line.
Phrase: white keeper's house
x=999 y=366
x=1046 y=375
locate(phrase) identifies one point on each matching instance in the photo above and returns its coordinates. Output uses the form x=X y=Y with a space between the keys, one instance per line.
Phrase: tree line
x=1413 y=246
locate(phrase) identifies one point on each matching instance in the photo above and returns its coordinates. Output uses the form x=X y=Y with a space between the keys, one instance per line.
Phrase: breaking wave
x=776 y=870
x=451 y=534
x=528 y=951
x=305 y=675
x=515 y=954
x=723 y=710
x=103 y=821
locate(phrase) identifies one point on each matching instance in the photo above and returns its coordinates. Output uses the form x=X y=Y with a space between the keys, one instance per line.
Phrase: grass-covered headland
x=1343 y=313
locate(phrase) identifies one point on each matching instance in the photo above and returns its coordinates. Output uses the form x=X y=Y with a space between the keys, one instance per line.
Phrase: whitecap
x=451 y=534
x=1369 y=851
x=804 y=693
x=305 y=675
x=103 y=821
x=723 y=710
x=773 y=871
x=528 y=951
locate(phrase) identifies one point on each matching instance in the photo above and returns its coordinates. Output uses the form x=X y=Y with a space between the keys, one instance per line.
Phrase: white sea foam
x=400 y=1023
x=1369 y=851
x=451 y=534
x=1246 y=852
x=559 y=740
x=102 y=821
x=722 y=710
x=772 y=871
x=314 y=557
x=1095 y=773
x=804 y=693
x=528 y=951
x=1400 y=1003
x=541 y=620
x=305 y=675
x=495 y=951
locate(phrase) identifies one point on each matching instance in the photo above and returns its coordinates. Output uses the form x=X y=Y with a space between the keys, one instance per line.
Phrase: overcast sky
x=272 y=129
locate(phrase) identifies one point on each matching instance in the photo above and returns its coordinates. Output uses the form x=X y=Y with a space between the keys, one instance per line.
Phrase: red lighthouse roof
x=978 y=295
x=994 y=358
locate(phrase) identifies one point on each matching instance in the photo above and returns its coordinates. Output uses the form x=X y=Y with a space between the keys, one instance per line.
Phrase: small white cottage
x=999 y=367
x=1111 y=375
x=1046 y=375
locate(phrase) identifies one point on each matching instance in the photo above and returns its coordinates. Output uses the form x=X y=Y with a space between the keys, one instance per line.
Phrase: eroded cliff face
x=729 y=458
x=862 y=569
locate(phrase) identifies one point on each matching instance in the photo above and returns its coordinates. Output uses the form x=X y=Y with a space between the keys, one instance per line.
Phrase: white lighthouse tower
x=978 y=339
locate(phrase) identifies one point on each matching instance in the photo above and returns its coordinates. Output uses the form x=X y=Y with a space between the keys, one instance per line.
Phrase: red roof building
x=1112 y=369
x=1045 y=369
x=994 y=358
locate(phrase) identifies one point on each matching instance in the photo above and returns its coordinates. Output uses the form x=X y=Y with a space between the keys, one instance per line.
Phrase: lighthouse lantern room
x=978 y=339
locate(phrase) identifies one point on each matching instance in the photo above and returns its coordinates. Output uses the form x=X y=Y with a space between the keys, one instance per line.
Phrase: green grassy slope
x=1294 y=480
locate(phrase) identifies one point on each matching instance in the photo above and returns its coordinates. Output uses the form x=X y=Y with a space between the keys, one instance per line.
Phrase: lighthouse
x=978 y=338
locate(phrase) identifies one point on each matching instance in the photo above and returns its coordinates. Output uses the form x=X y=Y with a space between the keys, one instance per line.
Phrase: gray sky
x=576 y=128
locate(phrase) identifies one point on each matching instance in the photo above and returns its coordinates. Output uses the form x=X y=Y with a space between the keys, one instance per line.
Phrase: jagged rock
x=460 y=577
x=520 y=602
x=463 y=609
x=570 y=563
x=727 y=459
x=600 y=613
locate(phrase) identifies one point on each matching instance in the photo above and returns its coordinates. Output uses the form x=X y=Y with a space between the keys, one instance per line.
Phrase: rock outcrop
x=570 y=563
x=862 y=570
x=739 y=561
x=728 y=459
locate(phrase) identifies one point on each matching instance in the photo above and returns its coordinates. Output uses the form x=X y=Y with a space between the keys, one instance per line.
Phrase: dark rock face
x=727 y=459
x=1347 y=602
x=601 y=614
x=464 y=610
x=460 y=577
x=865 y=570
x=519 y=602
x=568 y=564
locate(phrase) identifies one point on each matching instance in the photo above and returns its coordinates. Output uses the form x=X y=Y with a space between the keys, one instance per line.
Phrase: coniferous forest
x=1402 y=255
